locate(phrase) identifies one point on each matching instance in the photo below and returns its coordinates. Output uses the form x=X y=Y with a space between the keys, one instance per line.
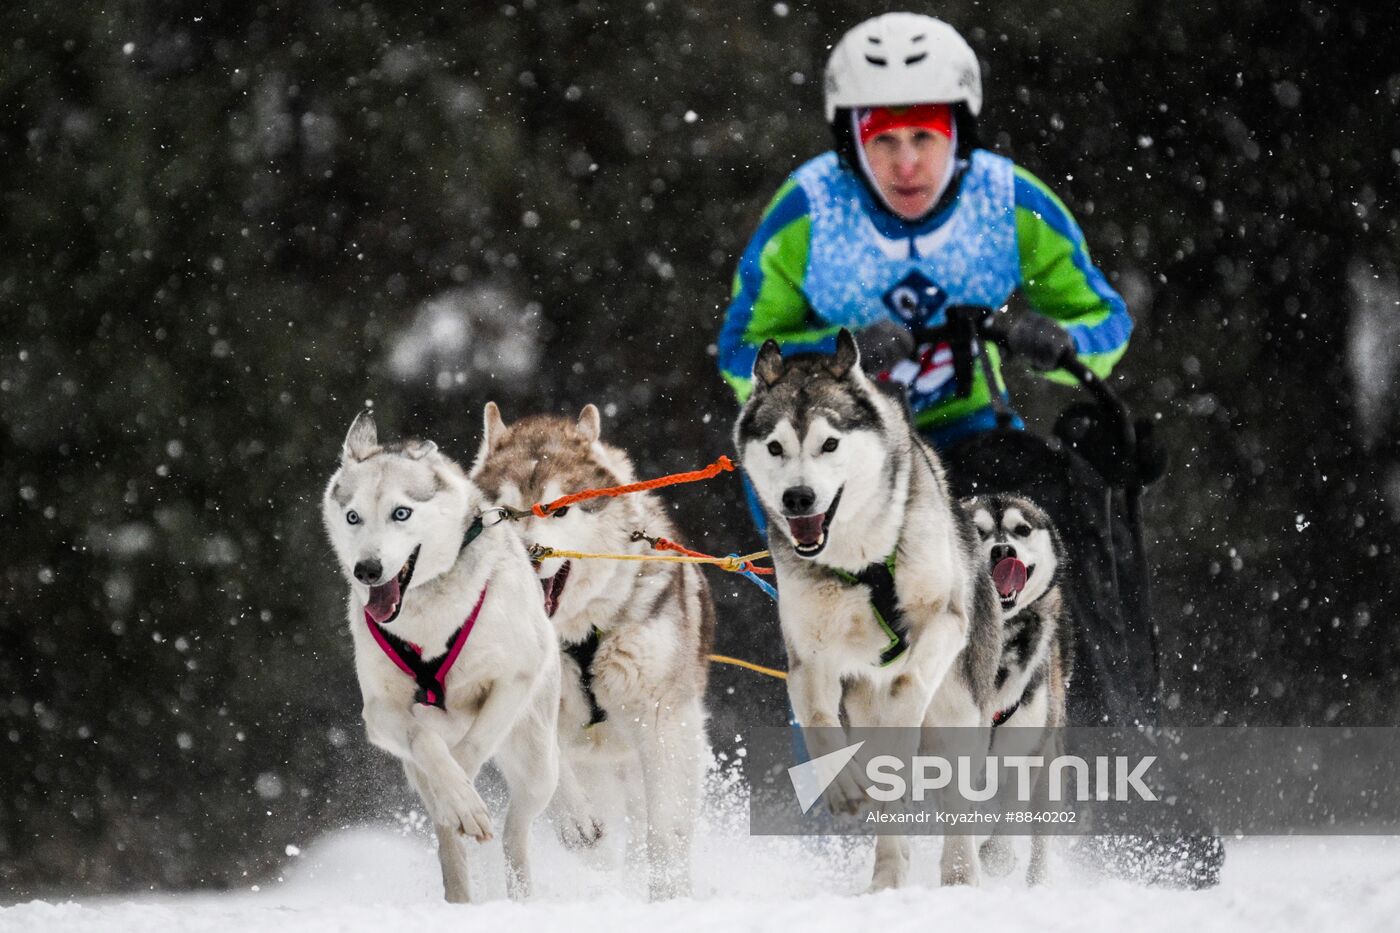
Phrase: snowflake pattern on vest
x=860 y=257
x=863 y=265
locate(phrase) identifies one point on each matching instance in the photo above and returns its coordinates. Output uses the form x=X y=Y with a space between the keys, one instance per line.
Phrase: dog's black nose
x=798 y=500
x=1002 y=551
x=368 y=571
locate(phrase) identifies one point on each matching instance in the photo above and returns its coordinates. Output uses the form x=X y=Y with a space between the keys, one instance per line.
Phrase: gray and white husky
x=885 y=601
x=456 y=659
x=1023 y=551
x=635 y=635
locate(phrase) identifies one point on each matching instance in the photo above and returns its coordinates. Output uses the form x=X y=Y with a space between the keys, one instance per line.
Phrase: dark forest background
x=227 y=225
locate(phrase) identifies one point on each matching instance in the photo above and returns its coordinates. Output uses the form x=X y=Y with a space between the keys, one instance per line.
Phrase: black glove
x=1042 y=343
x=883 y=344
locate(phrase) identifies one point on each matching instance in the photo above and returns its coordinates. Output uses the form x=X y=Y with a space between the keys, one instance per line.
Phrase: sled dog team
x=899 y=606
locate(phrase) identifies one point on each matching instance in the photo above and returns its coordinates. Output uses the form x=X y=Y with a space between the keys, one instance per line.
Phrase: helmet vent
x=918 y=38
x=915 y=59
x=878 y=62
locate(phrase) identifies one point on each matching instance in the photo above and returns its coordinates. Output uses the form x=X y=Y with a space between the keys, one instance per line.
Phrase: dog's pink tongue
x=806 y=530
x=1009 y=575
x=383 y=600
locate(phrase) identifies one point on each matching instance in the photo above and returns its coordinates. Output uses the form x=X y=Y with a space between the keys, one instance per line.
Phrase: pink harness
x=430 y=676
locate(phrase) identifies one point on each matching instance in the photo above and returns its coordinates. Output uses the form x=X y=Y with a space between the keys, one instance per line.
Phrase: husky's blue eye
x=352 y=517
x=401 y=514
x=775 y=448
x=830 y=445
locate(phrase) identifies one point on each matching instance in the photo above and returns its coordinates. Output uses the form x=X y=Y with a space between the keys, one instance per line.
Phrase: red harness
x=430 y=675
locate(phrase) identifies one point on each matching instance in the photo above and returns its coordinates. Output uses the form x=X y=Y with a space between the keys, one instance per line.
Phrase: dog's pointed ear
x=847 y=356
x=417 y=450
x=768 y=366
x=493 y=427
x=362 y=440
x=590 y=423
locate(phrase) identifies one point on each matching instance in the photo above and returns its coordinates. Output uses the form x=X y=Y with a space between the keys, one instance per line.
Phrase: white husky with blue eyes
x=456 y=659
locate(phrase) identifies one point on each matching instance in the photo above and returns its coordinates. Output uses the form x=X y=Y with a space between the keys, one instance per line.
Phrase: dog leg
x=669 y=772
x=814 y=690
x=579 y=826
x=913 y=693
x=998 y=857
x=931 y=656
x=447 y=791
x=452 y=853
x=861 y=701
x=1052 y=746
x=891 y=863
x=954 y=707
x=959 y=862
x=1038 y=872
x=498 y=713
x=529 y=762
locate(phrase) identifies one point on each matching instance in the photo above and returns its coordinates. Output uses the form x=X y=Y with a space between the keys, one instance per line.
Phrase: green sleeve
x=767 y=299
x=1061 y=282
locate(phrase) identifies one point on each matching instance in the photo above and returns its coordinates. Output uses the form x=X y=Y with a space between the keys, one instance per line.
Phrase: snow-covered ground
x=385 y=879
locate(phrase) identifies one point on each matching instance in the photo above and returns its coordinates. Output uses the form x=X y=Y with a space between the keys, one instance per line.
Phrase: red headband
x=876 y=120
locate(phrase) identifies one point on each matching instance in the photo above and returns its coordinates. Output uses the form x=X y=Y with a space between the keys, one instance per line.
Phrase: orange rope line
x=664 y=544
x=723 y=464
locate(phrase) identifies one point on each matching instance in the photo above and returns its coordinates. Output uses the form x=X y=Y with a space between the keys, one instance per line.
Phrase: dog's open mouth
x=386 y=599
x=808 y=532
x=1010 y=576
x=554 y=588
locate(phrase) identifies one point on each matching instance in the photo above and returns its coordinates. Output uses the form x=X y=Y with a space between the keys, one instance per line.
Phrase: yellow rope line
x=737 y=662
x=732 y=564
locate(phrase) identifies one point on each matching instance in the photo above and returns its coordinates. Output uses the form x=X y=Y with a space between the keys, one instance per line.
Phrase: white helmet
x=900 y=59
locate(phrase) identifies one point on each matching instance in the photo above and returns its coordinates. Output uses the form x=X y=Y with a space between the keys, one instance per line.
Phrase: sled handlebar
x=965 y=325
x=990 y=330
x=965 y=322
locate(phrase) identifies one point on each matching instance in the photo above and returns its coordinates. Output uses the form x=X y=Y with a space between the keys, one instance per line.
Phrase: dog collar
x=430 y=675
x=473 y=531
x=884 y=602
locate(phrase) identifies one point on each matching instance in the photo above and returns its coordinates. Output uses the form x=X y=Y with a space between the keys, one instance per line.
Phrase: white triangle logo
x=811 y=778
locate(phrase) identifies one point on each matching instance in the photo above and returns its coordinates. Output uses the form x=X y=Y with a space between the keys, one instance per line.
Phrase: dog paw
x=845 y=796
x=580 y=832
x=889 y=874
x=466 y=813
x=884 y=881
x=668 y=885
x=998 y=857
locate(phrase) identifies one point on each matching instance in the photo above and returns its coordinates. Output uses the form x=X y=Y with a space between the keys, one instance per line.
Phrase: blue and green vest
x=826 y=256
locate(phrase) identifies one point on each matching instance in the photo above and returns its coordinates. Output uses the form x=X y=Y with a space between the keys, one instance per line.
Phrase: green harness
x=884 y=602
